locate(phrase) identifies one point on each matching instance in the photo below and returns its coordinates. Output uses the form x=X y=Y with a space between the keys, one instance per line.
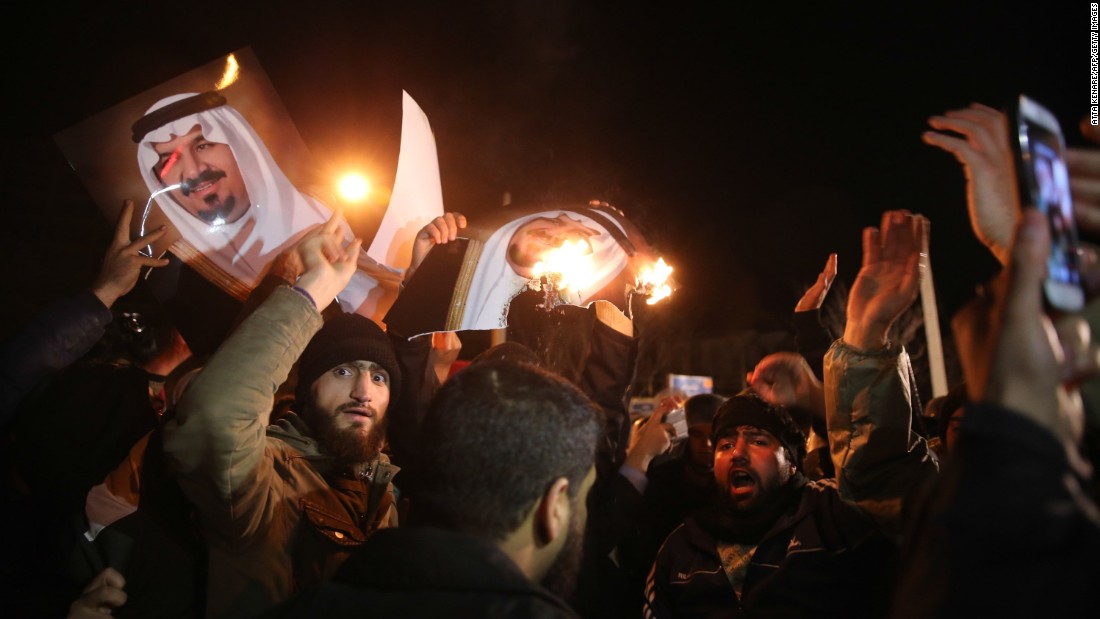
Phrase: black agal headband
x=175 y=111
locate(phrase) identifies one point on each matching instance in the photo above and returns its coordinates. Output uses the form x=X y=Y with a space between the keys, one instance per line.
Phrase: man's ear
x=792 y=466
x=552 y=512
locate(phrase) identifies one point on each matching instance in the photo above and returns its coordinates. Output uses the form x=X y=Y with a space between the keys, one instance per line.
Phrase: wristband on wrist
x=305 y=294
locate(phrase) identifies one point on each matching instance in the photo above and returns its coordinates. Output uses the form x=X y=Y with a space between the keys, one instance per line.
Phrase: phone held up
x=1044 y=184
x=677 y=420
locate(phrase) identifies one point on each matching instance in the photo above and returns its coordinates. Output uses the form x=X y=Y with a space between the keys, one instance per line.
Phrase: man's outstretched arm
x=877 y=456
x=216 y=443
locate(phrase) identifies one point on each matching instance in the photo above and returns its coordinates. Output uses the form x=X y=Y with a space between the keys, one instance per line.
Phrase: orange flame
x=569 y=266
x=232 y=72
x=653 y=280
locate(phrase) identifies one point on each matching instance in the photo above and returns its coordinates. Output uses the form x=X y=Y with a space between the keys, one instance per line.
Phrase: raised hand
x=327 y=263
x=1011 y=352
x=123 y=261
x=815 y=296
x=785 y=379
x=288 y=266
x=439 y=231
x=986 y=155
x=889 y=279
x=445 y=350
x=651 y=438
x=101 y=596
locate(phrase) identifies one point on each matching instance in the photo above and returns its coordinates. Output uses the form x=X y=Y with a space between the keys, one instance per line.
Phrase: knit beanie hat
x=748 y=409
x=344 y=338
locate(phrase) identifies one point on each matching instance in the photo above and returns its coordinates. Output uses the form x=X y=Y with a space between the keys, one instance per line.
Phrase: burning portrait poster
x=574 y=255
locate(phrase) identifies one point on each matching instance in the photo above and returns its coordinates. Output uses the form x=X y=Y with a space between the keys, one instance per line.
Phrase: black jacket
x=57 y=337
x=1008 y=530
x=824 y=558
x=426 y=572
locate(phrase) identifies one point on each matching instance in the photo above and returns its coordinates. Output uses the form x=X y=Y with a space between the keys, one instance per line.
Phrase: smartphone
x=1044 y=184
x=677 y=419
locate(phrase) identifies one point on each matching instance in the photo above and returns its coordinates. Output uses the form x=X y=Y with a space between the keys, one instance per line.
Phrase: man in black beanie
x=495 y=526
x=283 y=506
x=772 y=543
x=346 y=376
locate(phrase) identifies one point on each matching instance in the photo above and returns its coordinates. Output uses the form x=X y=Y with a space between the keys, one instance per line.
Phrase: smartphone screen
x=1044 y=182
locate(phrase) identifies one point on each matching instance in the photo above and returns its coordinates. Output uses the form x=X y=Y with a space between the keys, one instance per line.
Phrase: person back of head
x=513 y=352
x=495 y=437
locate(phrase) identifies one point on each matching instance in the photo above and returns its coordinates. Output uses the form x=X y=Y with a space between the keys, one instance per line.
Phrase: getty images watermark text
x=1094 y=49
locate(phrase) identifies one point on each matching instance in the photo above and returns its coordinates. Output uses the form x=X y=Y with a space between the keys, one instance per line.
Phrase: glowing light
x=568 y=266
x=171 y=162
x=653 y=281
x=232 y=72
x=145 y=217
x=353 y=188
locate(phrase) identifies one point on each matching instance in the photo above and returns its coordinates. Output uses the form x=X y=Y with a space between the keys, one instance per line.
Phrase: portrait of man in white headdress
x=235 y=210
x=509 y=257
x=494 y=262
x=241 y=186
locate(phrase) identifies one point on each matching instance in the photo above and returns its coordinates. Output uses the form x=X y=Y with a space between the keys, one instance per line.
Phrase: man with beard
x=282 y=507
x=775 y=544
x=504 y=474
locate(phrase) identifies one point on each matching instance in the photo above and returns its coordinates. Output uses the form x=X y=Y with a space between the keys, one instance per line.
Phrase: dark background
x=747 y=139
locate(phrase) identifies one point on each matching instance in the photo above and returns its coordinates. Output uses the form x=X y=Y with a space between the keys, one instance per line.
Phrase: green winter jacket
x=277 y=516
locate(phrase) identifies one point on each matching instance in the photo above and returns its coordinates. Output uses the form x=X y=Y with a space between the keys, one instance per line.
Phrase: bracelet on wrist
x=305 y=294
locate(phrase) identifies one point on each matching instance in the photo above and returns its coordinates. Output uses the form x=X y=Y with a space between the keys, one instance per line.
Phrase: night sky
x=747 y=140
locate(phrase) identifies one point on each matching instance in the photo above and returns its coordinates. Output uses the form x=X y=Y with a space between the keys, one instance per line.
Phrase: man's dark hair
x=494 y=439
x=508 y=351
x=702 y=407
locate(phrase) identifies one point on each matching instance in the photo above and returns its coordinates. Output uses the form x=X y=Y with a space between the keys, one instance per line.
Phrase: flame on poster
x=653 y=281
x=231 y=73
x=569 y=266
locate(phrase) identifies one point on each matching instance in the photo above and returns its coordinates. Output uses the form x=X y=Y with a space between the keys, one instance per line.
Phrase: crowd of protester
x=390 y=486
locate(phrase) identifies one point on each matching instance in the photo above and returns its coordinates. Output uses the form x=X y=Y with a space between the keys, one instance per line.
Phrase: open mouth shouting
x=742 y=483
